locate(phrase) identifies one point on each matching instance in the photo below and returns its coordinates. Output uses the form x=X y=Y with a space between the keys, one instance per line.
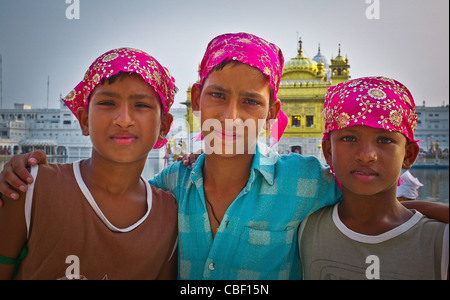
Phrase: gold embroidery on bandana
x=377 y=94
x=110 y=57
x=396 y=118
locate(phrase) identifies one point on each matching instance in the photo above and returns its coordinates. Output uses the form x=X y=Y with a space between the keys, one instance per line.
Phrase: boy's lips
x=227 y=135
x=123 y=138
x=364 y=174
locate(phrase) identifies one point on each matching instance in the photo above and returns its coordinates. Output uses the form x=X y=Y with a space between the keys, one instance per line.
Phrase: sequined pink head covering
x=255 y=52
x=377 y=102
x=130 y=61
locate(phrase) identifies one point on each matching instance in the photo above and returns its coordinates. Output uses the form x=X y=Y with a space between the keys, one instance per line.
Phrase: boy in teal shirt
x=239 y=212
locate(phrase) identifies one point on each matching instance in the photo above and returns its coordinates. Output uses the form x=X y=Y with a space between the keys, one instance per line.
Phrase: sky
x=55 y=41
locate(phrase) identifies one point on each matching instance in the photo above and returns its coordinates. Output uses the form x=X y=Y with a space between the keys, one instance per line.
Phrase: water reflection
x=435 y=181
x=435 y=184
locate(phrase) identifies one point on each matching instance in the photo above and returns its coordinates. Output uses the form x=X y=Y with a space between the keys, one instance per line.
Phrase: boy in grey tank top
x=368 y=140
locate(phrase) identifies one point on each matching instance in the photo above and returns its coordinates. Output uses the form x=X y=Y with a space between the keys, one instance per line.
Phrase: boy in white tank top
x=97 y=218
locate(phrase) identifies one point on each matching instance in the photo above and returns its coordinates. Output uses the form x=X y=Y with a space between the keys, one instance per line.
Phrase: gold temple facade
x=302 y=91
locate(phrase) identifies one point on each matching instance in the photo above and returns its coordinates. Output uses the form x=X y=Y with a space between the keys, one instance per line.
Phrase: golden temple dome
x=300 y=63
x=339 y=58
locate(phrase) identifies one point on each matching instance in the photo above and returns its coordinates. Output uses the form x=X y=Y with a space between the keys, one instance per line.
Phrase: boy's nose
x=231 y=111
x=366 y=154
x=124 y=117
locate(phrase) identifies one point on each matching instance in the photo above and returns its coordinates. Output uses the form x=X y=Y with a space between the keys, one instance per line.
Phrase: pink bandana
x=126 y=60
x=376 y=102
x=255 y=52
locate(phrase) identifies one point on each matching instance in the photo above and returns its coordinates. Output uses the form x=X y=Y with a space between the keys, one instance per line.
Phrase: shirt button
x=212 y=266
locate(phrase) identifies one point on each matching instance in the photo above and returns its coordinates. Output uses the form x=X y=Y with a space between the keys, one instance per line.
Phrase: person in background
x=408 y=188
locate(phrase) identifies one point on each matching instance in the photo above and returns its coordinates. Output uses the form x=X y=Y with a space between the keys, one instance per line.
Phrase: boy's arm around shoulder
x=433 y=210
x=13 y=233
x=168 y=178
x=330 y=191
x=328 y=188
x=316 y=181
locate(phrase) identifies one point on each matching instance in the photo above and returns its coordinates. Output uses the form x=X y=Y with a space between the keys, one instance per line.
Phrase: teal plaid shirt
x=257 y=238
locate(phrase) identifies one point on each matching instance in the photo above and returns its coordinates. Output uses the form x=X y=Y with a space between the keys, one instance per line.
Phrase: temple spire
x=300 y=47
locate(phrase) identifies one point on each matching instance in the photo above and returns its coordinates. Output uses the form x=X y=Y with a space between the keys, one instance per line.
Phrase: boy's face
x=124 y=119
x=234 y=106
x=368 y=161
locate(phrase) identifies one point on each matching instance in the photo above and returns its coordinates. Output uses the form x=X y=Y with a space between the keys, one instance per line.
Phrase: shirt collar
x=263 y=161
x=197 y=171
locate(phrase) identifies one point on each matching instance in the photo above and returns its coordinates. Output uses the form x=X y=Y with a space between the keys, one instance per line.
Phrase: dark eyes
x=143 y=105
x=252 y=102
x=106 y=103
x=112 y=103
x=381 y=140
x=218 y=95
x=249 y=101
x=348 y=139
x=385 y=140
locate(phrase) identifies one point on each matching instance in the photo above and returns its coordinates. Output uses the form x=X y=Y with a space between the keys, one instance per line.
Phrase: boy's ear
x=166 y=123
x=195 y=98
x=411 y=153
x=82 y=116
x=327 y=153
x=272 y=114
x=274 y=110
